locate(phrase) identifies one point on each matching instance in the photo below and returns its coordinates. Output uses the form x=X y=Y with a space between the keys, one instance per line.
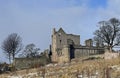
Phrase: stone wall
x=60 y=39
x=75 y=38
x=81 y=51
x=67 y=46
x=22 y=63
x=89 y=42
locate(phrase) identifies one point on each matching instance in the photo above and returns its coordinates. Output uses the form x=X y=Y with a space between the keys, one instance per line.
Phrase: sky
x=34 y=20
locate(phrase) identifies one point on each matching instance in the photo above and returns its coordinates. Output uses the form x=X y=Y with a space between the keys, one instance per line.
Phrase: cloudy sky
x=34 y=20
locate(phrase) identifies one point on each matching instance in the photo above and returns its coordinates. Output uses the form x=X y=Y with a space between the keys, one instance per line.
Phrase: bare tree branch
x=12 y=45
x=109 y=32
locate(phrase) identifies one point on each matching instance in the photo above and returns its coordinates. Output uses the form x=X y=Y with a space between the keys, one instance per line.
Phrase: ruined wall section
x=65 y=57
x=75 y=38
x=60 y=46
x=61 y=39
x=54 y=46
x=81 y=51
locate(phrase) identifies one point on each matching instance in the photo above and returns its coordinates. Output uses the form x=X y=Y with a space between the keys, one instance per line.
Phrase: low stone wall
x=23 y=63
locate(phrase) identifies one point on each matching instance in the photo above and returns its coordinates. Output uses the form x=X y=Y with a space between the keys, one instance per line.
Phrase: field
x=95 y=68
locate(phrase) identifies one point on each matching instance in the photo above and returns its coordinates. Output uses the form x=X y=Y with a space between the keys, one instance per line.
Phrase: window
x=60 y=41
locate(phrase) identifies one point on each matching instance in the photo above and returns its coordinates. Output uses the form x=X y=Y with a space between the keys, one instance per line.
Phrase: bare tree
x=12 y=45
x=108 y=33
x=30 y=51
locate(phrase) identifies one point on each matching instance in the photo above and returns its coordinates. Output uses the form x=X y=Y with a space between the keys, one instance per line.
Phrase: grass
x=99 y=67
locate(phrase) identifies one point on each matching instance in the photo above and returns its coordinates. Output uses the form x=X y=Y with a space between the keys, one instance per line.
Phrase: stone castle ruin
x=66 y=47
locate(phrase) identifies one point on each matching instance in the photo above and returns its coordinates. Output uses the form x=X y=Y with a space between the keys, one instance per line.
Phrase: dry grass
x=100 y=67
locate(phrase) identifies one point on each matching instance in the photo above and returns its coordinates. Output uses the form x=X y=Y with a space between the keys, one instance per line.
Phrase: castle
x=66 y=47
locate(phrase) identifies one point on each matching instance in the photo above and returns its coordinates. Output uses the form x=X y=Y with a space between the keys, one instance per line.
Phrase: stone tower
x=89 y=42
x=61 y=43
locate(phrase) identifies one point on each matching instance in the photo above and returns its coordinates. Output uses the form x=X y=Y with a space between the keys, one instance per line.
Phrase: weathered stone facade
x=67 y=46
x=23 y=63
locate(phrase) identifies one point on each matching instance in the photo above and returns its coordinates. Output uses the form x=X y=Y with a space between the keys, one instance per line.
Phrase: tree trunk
x=9 y=59
x=110 y=48
x=13 y=64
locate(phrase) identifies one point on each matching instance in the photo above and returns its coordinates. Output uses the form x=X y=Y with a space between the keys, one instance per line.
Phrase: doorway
x=72 y=52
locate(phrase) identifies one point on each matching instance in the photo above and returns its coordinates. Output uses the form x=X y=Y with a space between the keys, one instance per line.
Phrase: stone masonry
x=65 y=47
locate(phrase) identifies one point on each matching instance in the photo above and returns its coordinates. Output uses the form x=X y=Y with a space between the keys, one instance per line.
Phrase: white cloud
x=112 y=10
x=35 y=24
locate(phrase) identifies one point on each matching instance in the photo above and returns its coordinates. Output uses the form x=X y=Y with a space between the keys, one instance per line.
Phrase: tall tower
x=59 y=39
x=62 y=45
x=54 y=54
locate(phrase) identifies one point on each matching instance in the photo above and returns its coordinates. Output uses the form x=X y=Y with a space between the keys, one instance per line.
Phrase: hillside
x=94 y=68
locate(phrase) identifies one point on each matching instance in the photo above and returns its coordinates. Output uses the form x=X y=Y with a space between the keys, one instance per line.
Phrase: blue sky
x=33 y=20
